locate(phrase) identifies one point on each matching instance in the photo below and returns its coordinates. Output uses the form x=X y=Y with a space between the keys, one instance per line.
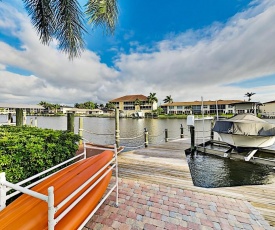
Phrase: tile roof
x=219 y=102
x=20 y=106
x=130 y=98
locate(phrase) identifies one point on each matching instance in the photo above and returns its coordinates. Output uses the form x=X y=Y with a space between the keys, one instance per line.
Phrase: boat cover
x=245 y=124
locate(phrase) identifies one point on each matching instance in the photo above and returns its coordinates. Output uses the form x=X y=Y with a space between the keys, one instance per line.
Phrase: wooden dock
x=166 y=164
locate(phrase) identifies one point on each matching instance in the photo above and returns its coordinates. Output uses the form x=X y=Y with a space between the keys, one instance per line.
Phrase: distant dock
x=157 y=192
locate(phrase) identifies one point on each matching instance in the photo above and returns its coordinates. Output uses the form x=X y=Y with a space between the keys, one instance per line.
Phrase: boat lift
x=222 y=149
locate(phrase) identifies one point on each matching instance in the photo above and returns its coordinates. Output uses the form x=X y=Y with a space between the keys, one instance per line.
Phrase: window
x=171 y=107
x=179 y=107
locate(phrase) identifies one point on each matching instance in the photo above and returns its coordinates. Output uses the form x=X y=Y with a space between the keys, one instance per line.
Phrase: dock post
x=35 y=122
x=31 y=122
x=80 y=130
x=24 y=119
x=19 y=117
x=10 y=120
x=181 y=131
x=117 y=127
x=70 y=122
x=192 y=132
x=166 y=135
x=146 y=138
x=212 y=132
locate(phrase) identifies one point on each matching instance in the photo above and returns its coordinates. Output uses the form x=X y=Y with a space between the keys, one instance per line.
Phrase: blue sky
x=186 y=49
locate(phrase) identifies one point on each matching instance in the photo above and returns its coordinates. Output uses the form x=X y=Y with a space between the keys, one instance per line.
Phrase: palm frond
x=102 y=13
x=70 y=27
x=42 y=18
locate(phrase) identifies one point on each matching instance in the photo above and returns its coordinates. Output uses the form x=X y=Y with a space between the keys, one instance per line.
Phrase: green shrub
x=26 y=151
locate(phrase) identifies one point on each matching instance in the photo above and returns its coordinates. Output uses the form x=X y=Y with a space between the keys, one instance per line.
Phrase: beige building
x=268 y=109
x=130 y=104
x=195 y=107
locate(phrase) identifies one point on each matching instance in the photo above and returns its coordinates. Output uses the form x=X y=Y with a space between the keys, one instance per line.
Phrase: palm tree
x=249 y=95
x=152 y=98
x=168 y=99
x=64 y=20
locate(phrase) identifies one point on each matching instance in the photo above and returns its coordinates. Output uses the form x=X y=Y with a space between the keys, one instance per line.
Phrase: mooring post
x=31 y=122
x=80 y=130
x=212 y=132
x=10 y=120
x=192 y=132
x=181 y=131
x=166 y=135
x=24 y=119
x=35 y=122
x=19 y=117
x=117 y=127
x=70 y=122
x=146 y=138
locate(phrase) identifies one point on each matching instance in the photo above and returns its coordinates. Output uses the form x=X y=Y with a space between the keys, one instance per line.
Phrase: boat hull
x=244 y=141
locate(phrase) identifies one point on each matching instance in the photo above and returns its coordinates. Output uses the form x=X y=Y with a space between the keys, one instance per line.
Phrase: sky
x=218 y=50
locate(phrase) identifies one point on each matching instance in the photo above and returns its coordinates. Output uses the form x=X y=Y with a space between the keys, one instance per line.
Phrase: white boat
x=246 y=131
x=138 y=114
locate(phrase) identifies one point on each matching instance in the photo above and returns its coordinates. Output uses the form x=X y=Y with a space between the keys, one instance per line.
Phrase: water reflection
x=210 y=172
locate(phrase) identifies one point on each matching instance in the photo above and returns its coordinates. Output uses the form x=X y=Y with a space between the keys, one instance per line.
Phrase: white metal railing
x=5 y=186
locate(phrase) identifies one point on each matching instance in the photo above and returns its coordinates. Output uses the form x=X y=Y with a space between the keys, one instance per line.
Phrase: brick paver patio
x=151 y=206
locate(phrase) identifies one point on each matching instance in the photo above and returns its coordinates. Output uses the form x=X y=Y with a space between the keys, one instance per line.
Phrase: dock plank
x=166 y=164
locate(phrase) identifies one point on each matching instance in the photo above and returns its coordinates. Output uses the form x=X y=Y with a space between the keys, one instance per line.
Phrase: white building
x=195 y=107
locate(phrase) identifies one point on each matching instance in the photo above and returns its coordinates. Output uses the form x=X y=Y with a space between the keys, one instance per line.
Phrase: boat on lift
x=246 y=131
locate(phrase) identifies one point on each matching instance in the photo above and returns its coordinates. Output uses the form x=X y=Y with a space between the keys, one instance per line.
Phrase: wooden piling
x=181 y=131
x=117 y=137
x=166 y=135
x=10 y=119
x=70 y=122
x=19 y=117
x=80 y=130
x=146 y=138
x=35 y=122
x=192 y=133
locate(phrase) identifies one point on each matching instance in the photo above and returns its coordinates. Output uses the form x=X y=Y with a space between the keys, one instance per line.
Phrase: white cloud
x=63 y=80
x=200 y=62
x=186 y=66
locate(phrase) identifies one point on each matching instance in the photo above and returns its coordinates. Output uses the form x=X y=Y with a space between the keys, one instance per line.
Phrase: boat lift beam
x=250 y=154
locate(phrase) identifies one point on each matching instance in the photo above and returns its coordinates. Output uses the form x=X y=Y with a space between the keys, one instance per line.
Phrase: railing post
x=70 y=122
x=51 y=211
x=3 y=195
x=117 y=127
x=80 y=130
x=19 y=117
x=166 y=135
x=146 y=138
x=192 y=132
x=181 y=131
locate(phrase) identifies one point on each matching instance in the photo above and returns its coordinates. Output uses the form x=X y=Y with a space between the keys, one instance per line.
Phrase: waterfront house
x=195 y=107
x=130 y=104
x=6 y=108
x=247 y=107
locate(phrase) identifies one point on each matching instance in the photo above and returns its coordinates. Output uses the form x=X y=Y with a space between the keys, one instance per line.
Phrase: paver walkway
x=151 y=206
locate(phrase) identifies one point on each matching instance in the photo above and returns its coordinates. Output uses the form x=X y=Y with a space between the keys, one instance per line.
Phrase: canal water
x=101 y=130
x=206 y=171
